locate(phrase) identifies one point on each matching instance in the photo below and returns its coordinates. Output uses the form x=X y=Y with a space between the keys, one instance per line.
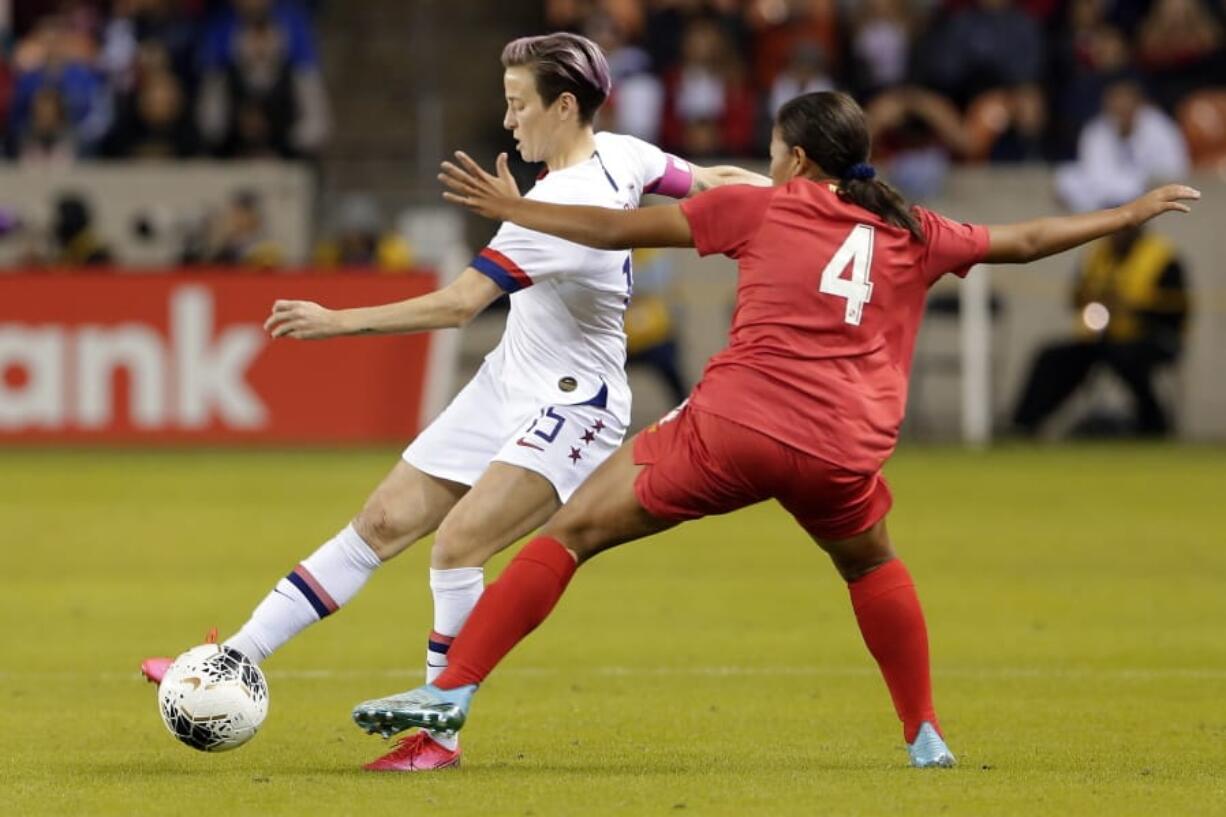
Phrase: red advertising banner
x=183 y=358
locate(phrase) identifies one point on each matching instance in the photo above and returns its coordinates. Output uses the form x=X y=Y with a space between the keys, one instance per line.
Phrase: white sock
x=319 y=586
x=456 y=593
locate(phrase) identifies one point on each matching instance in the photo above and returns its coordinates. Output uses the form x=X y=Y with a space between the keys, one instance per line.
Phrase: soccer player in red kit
x=803 y=406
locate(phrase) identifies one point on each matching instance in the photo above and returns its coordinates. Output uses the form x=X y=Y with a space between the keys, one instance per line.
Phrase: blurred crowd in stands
x=159 y=79
x=1115 y=94
x=1126 y=90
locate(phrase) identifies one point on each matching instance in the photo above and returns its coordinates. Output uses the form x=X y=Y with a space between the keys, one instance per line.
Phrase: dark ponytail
x=830 y=128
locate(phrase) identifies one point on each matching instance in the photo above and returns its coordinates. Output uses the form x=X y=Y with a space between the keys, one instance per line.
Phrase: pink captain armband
x=676 y=180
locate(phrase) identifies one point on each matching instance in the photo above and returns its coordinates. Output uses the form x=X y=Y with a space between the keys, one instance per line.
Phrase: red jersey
x=829 y=301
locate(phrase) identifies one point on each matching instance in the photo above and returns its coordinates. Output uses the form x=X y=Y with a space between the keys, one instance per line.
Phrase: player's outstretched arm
x=600 y=227
x=1031 y=240
x=452 y=306
x=706 y=178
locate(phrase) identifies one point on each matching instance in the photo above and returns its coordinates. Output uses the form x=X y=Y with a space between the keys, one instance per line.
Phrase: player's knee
x=387 y=532
x=459 y=543
x=856 y=559
x=859 y=565
x=450 y=553
x=860 y=555
x=577 y=535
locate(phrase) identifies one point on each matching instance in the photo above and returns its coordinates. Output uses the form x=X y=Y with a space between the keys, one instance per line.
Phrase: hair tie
x=860 y=171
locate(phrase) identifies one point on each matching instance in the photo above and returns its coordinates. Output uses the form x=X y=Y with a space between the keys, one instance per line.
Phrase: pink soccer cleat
x=154 y=669
x=416 y=753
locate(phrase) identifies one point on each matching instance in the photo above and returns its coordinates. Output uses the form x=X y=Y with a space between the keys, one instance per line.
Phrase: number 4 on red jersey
x=856 y=251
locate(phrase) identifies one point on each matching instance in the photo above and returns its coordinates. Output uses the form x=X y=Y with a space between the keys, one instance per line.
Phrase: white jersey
x=565 y=341
x=552 y=397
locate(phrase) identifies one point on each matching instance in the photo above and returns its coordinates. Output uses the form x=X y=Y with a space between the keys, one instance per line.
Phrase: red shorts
x=699 y=464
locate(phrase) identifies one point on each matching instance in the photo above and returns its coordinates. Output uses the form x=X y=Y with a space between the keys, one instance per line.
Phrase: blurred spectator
x=73 y=237
x=709 y=108
x=262 y=93
x=6 y=91
x=1131 y=294
x=1088 y=55
x=151 y=57
x=668 y=22
x=1202 y=120
x=805 y=73
x=1177 y=32
x=1129 y=146
x=1039 y=10
x=780 y=25
x=1007 y=125
x=48 y=136
x=223 y=36
x=235 y=236
x=58 y=55
x=916 y=134
x=1076 y=42
x=990 y=44
x=576 y=15
x=156 y=124
x=880 y=45
x=1180 y=44
x=136 y=26
x=360 y=239
x=637 y=101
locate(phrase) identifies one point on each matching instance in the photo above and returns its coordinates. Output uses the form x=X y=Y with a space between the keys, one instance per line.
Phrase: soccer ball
x=212 y=698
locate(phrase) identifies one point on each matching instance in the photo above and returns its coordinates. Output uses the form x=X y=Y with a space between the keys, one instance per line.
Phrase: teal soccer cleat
x=439 y=710
x=928 y=750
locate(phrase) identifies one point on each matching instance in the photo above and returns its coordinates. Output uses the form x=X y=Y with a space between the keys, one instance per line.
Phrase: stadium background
x=174 y=165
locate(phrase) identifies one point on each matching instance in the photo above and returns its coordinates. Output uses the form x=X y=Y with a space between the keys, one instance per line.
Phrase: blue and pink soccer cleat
x=928 y=750
x=439 y=710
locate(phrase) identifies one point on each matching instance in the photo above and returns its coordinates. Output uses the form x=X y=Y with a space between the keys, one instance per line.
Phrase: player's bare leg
x=603 y=513
x=407 y=505
x=506 y=503
x=892 y=623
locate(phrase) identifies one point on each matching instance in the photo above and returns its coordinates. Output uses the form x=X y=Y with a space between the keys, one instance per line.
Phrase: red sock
x=509 y=609
x=892 y=623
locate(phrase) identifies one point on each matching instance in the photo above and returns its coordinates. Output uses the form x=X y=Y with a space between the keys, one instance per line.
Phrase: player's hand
x=1161 y=200
x=483 y=193
x=304 y=320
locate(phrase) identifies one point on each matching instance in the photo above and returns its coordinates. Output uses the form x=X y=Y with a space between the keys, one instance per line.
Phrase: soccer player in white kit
x=548 y=405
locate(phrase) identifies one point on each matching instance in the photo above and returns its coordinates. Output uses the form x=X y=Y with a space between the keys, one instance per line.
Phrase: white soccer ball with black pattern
x=212 y=698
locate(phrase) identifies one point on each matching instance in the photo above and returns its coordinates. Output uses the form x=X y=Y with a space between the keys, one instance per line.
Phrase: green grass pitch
x=1076 y=600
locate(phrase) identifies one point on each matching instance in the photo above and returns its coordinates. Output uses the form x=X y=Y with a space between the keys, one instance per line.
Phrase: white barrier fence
x=143 y=210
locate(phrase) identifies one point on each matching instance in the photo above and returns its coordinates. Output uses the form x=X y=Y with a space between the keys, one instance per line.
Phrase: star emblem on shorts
x=589 y=437
x=599 y=426
x=574 y=455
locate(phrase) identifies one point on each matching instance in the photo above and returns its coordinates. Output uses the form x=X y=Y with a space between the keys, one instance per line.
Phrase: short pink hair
x=562 y=63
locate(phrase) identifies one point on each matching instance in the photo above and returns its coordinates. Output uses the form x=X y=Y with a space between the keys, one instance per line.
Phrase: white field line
x=971 y=673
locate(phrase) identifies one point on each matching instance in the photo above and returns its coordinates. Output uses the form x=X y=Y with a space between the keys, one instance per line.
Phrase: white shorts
x=562 y=443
